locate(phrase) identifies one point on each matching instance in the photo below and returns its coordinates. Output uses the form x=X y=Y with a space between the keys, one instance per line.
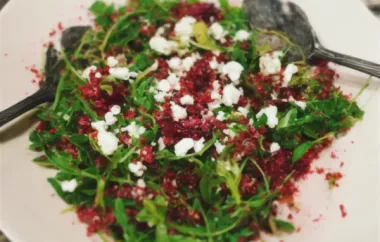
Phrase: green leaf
x=290 y=116
x=301 y=150
x=162 y=233
x=98 y=8
x=206 y=185
x=103 y=21
x=200 y=31
x=107 y=88
x=99 y=199
x=284 y=225
x=57 y=187
x=122 y=217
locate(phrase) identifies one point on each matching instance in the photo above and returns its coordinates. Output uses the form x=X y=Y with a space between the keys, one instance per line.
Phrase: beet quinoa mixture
x=172 y=123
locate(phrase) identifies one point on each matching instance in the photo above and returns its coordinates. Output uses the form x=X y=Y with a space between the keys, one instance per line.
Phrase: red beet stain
x=343 y=210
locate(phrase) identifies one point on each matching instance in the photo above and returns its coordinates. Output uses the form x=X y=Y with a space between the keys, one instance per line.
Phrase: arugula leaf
x=284 y=225
x=289 y=118
x=98 y=8
x=301 y=150
x=122 y=219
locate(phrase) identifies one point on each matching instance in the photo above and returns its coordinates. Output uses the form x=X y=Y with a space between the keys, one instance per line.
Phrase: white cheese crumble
x=244 y=111
x=229 y=133
x=274 y=147
x=199 y=144
x=189 y=61
x=141 y=183
x=162 y=45
x=178 y=112
x=87 y=71
x=216 y=31
x=183 y=146
x=112 y=61
x=271 y=113
x=173 y=79
x=301 y=104
x=164 y=85
x=175 y=63
x=233 y=70
x=116 y=109
x=184 y=29
x=221 y=116
x=107 y=142
x=161 y=144
x=214 y=64
x=69 y=186
x=99 y=125
x=137 y=168
x=110 y=119
x=231 y=95
x=219 y=147
x=270 y=63
x=134 y=130
x=98 y=75
x=242 y=35
x=122 y=73
x=187 y=100
x=290 y=70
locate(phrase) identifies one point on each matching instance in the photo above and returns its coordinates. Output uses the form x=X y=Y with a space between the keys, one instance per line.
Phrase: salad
x=174 y=121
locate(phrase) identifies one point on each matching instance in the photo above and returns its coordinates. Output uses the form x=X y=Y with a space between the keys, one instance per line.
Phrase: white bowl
x=30 y=213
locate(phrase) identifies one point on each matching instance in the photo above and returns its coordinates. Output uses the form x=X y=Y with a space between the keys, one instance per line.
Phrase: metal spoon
x=70 y=38
x=289 y=18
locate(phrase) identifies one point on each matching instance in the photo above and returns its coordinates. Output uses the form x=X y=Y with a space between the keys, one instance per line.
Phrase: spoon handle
x=364 y=66
x=41 y=96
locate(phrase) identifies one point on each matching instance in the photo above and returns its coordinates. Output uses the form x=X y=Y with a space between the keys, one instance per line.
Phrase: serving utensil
x=70 y=38
x=288 y=17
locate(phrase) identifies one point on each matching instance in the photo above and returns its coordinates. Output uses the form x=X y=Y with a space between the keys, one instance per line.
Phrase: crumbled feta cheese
x=162 y=45
x=116 y=109
x=184 y=29
x=271 y=113
x=141 y=183
x=221 y=116
x=198 y=145
x=188 y=62
x=164 y=86
x=69 y=186
x=215 y=92
x=99 y=125
x=110 y=119
x=301 y=104
x=175 y=63
x=290 y=70
x=153 y=143
x=216 y=31
x=274 y=147
x=178 y=112
x=87 y=71
x=242 y=35
x=233 y=70
x=231 y=95
x=173 y=79
x=98 y=75
x=161 y=30
x=107 y=142
x=214 y=64
x=219 y=147
x=134 y=130
x=161 y=144
x=66 y=117
x=160 y=96
x=137 y=168
x=112 y=61
x=270 y=63
x=187 y=100
x=183 y=146
x=122 y=73
x=229 y=132
x=244 y=111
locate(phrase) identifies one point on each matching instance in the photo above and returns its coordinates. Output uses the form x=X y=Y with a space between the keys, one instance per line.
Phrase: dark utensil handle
x=364 y=66
x=41 y=96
